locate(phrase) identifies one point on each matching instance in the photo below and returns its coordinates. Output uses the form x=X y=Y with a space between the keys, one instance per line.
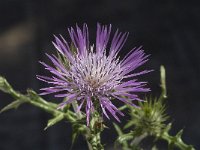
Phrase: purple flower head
x=94 y=74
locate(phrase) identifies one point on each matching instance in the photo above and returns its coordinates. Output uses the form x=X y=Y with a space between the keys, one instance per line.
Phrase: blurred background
x=168 y=30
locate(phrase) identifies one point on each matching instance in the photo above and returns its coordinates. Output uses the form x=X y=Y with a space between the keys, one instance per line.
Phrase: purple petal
x=102 y=38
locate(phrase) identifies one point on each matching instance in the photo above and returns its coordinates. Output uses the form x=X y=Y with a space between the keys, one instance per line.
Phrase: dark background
x=168 y=30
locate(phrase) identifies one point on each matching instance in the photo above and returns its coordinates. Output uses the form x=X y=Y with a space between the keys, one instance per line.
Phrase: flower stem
x=34 y=99
x=176 y=141
x=94 y=142
x=91 y=134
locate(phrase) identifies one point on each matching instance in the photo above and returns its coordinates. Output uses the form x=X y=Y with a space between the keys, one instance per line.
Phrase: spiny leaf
x=129 y=124
x=175 y=141
x=7 y=88
x=120 y=133
x=77 y=129
x=125 y=137
x=167 y=128
x=4 y=86
x=55 y=120
x=32 y=93
x=34 y=96
x=74 y=137
x=179 y=134
x=123 y=107
x=117 y=128
x=12 y=105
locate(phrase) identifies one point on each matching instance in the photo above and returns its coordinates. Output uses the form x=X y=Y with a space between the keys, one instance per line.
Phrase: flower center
x=96 y=74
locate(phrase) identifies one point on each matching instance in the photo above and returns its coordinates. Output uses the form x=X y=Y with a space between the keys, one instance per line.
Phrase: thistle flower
x=95 y=76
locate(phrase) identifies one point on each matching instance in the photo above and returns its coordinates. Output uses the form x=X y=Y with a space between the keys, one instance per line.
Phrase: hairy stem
x=176 y=141
x=94 y=142
x=92 y=137
x=33 y=99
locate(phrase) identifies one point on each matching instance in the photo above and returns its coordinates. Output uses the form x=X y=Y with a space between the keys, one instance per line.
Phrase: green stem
x=93 y=136
x=89 y=145
x=90 y=134
x=94 y=142
x=34 y=99
x=138 y=139
x=124 y=143
x=177 y=141
x=52 y=111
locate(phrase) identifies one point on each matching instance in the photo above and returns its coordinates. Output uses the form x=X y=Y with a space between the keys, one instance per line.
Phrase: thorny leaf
x=13 y=105
x=54 y=120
